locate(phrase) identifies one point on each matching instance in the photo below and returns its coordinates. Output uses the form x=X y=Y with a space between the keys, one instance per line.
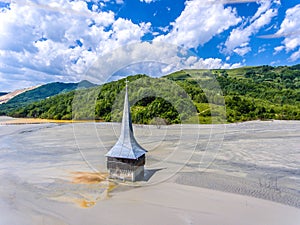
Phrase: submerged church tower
x=126 y=159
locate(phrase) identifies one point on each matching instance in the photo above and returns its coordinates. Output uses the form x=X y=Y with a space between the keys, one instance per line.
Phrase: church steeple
x=126 y=159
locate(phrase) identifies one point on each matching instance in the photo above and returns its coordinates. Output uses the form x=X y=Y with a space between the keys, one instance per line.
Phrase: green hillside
x=247 y=93
x=41 y=93
x=251 y=93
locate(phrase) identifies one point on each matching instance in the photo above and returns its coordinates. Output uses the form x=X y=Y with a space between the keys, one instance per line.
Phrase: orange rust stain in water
x=91 y=178
x=85 y=204
x=88 y=177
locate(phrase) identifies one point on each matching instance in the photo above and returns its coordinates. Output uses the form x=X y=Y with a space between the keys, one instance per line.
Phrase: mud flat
x=244 y=173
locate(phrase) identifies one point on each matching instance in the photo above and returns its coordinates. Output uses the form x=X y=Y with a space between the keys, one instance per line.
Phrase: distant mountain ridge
x=41 y=92
x=3 y=93
x=8 y=96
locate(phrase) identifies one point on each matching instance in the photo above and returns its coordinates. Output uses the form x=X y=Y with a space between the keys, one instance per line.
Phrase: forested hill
x=250 y=93
x=40 y=93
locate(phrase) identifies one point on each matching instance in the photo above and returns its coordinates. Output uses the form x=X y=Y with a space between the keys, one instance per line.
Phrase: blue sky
x=60 y=40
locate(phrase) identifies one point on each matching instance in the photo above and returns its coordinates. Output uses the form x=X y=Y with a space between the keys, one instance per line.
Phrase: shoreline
x=18 y=121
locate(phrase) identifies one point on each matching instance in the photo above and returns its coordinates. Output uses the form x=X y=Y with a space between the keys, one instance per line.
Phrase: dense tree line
x=247 y=93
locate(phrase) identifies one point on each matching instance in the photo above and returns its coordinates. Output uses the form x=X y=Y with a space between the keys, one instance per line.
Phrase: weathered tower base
x=126 y=169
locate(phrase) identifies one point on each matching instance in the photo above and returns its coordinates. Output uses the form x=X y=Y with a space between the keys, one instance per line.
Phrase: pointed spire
x=126 y=146
x=126 y=120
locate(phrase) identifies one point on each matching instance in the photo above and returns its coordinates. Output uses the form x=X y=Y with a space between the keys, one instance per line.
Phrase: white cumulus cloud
x=295 y=56
x=199 y=22
x=290 y=30
x=242 y=50
x=278 y=49
x=147 y=1
x=58 y=41
x=239 y=38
